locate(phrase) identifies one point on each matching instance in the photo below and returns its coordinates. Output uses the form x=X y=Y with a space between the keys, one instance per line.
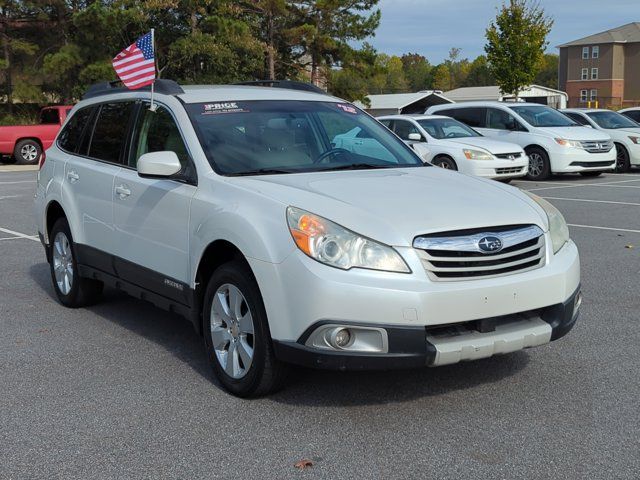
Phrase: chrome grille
x=596 y=146
x=508 y=156
x=456 y=256
x=501 y=171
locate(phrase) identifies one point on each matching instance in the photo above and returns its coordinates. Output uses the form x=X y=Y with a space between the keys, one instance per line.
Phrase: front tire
x=236 y=333
x=623 y=161
x=27 y=152
x=445 y=162
x=539 y=166
x=72 y=290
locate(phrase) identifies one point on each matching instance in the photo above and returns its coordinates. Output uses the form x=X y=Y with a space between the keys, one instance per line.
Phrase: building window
x=585 y=74
x=594 y=74
x=595 y=52
x=594 y=95
x=584 y=95
x=585 y=53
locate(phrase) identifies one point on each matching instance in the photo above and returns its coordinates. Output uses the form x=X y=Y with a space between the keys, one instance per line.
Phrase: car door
x=503 y=126
x=89 y=174
x=151 y=215
x=403 y=128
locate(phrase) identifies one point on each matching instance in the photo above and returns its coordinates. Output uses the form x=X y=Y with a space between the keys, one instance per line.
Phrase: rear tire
x=236 y=333
x=539 y=166
x=590 y=174
x=72 y=290
x=623 y=161
x=27 y=152
x=445 y=162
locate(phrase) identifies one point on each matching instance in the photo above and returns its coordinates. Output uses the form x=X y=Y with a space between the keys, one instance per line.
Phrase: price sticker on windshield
x=222 y=107
x=347 y=108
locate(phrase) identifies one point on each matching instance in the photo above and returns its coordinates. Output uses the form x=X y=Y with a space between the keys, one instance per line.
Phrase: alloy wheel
x=536 y=164
x=29 y=152
x=63 y=263
x=232 y=331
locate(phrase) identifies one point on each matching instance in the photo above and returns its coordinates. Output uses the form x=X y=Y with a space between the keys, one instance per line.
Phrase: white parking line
x=10 y=196
x=584 y=185
x=592 y=201
x=575 y=184
x=20 y=235
x=17 y=181
x=604 y=228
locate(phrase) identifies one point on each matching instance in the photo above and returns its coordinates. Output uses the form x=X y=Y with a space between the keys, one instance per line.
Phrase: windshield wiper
x=262 y=171
x=356 y=166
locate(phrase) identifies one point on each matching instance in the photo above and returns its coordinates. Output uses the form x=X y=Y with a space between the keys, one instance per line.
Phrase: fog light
x=341 y=338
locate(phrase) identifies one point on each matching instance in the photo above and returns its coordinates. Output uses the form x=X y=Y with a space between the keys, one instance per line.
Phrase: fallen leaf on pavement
x=628 y=246
x=302 y=464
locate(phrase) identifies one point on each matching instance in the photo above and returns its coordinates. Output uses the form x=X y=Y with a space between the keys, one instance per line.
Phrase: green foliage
x=417 y=71
x=479 y=74
x=548 y=74
x=516 y=41
x=441 y=78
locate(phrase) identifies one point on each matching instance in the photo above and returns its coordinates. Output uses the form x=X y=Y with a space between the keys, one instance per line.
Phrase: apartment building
x=603 y=69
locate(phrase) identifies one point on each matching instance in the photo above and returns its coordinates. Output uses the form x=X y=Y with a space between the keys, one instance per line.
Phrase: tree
x=360 y=74
x=479 y=74
x=441 y=78
x=548 y=74
x=417 y=71
x=325 y=28
x=516 y=41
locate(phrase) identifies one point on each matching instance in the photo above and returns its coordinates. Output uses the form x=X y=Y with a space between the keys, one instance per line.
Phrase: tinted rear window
x=71 y=134
x=474 y=117
x=110 y=132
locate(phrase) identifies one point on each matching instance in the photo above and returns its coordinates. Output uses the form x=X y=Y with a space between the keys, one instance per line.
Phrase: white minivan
x=624 y=132
x=553 y=142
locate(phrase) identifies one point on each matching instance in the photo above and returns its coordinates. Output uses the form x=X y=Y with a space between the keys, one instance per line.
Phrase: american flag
x=135 y=65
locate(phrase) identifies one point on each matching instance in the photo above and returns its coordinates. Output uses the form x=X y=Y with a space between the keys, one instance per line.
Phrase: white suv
x=450 y=144
x=553 y=142
x=233 y=207
x=623 y=130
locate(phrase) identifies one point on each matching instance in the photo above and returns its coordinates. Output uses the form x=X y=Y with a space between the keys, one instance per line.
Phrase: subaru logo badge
x=490 y=244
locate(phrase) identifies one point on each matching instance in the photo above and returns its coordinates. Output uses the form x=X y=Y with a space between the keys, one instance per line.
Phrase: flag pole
x=152 y=107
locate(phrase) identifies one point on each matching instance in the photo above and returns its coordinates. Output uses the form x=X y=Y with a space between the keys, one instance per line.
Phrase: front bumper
x=413 y=347
x=574 y=160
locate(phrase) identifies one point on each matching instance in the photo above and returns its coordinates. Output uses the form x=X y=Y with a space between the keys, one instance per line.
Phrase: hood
x=575 y=133
x=493 y=146
x=394 y=206
x=630 y=130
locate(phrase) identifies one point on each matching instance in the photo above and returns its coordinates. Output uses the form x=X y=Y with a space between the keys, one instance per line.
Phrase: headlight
x=477 y=155
x=333 y=245
x=568 y=143
x=635 y=140
x=558 y=229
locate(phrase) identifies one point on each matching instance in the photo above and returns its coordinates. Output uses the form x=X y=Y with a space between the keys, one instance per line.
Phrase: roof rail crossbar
x=290 y=84
x=161 y=85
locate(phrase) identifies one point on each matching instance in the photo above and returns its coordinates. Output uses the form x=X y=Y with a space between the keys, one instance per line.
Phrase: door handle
x=73 y=176
x=123 y=191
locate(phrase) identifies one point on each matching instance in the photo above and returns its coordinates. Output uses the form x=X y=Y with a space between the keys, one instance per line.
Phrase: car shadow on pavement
x=306 y=387
x=171 y=331
x=316 y=388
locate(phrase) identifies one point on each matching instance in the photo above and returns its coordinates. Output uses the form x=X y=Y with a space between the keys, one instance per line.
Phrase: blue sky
x=432 y=27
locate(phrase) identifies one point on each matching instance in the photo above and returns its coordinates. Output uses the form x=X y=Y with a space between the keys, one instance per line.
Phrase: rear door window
x=403 y=128
x=633 y=115
x=110 y=132
x=71 y=135
x=473 y=117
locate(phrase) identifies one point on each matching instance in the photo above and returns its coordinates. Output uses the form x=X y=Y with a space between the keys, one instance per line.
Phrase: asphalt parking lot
x=122 y=389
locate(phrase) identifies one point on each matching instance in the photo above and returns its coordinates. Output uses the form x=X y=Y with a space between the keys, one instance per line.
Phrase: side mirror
x=416 y=137
x=158 y=164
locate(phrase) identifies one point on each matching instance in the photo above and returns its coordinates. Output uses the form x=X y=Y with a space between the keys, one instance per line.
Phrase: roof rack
x=290 y=84
x=167 y=87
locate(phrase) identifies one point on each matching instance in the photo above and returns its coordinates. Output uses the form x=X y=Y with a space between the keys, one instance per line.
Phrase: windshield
x=446 y=128
x=267 y=137
x=611 y=120
x=543 y=116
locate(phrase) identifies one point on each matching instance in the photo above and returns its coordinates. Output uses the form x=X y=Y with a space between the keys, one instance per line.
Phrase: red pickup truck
x=27 y=142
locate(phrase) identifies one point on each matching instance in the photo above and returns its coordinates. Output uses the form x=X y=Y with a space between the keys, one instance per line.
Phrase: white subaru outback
x=233 y=206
